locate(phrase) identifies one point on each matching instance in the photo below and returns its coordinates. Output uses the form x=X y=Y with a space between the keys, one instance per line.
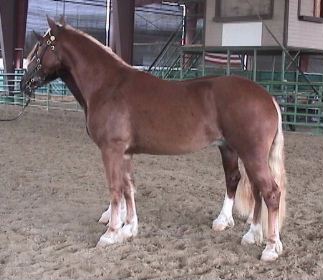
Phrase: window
x=310 y=10
x=243 y=10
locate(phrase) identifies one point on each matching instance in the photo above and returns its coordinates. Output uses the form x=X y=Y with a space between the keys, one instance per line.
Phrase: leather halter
x=38 y=66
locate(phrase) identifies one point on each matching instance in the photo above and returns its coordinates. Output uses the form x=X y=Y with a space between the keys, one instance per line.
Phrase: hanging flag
x=222 y=58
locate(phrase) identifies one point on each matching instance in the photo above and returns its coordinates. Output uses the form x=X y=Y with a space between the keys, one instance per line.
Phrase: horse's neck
x=90 y=66
x=71 y=84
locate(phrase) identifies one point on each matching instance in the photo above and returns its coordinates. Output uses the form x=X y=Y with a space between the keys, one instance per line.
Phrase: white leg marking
x=225 y=218
x=112 y=235
x=273 y=250
x=105 y=217
x=253 y=236
x=131 y=226
x=129 y=229
x=119 y=235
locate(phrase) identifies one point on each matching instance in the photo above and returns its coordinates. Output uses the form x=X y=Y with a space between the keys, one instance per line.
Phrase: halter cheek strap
x=38 y=65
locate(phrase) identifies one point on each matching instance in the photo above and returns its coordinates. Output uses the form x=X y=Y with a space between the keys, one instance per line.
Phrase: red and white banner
x=222 y=58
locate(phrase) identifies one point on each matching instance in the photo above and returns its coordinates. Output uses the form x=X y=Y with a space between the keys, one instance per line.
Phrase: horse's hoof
x=272 y=251
x=248 y=239
x=222 y=222
x=269 y=254
x=130 y=230
x=118 y=236
x=108 y=239
x=253 y=236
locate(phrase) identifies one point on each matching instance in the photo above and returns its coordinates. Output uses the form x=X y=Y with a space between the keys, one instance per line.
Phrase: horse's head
x=44 y=60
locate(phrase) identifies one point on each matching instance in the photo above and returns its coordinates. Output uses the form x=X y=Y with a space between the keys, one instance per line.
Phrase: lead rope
x=37 y=67
x=19 y=115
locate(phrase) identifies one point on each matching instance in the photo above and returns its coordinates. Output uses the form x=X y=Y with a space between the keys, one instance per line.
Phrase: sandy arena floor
x=52 y=193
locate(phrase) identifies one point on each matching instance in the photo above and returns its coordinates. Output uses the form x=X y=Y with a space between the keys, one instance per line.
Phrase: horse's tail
x=277 y=166
x=244 y=201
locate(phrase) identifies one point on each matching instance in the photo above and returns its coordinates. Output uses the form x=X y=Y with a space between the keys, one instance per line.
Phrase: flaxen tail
x=244 y=201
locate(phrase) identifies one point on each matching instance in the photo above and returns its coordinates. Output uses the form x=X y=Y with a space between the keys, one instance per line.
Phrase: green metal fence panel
x=54 y=95
x=301 y=105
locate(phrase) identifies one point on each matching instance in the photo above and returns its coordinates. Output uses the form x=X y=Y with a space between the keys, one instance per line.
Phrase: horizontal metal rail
x=54 y=95
x=300 y=105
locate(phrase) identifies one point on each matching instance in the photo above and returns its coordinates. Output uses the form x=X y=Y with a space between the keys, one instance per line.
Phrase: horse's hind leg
x=264 y=186
x=232 y=177
x=255 y=233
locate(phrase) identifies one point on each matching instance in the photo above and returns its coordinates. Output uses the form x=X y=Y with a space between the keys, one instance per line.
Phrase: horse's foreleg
x=114 y=169
x=130 y=227
x=232 y=177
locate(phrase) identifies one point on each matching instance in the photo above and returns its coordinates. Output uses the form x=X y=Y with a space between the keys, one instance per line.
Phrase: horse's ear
x=53 y=25
x=37 y=35
x=62 y=20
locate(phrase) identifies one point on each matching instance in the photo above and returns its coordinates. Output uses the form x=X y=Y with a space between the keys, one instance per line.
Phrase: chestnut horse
x=130 y=112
